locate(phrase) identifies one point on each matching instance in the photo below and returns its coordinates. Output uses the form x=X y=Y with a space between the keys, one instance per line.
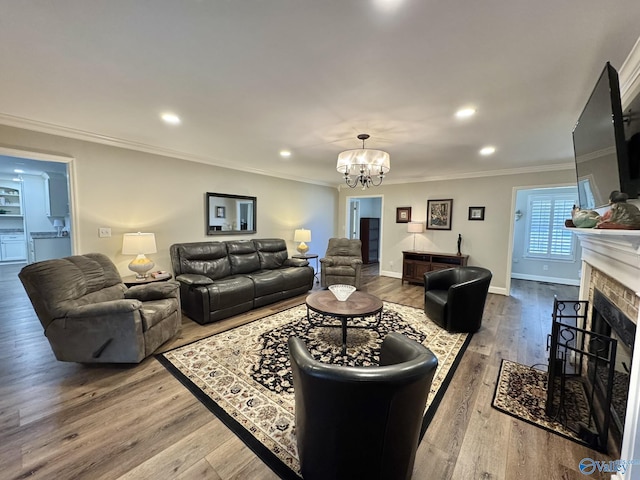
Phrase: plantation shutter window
x=546 y=235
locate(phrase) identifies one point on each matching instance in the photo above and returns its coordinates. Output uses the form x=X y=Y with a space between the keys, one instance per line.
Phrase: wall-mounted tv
x=602 y=161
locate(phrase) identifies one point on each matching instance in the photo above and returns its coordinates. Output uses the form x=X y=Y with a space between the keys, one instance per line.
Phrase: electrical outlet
x=391 y=264
x=104 y=232
x=545 y=267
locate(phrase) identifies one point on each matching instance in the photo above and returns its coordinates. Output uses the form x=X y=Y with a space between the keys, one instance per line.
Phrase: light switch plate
x=104 y=232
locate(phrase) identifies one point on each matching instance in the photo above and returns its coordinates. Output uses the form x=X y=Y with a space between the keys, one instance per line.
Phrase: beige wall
x=133 y=191
x=486 y=243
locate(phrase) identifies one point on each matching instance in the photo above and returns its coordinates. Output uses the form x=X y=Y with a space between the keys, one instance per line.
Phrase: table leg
x=344 y=335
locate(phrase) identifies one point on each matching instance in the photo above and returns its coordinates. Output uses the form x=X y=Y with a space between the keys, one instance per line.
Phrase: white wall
x=486 y=242
x=133 y=191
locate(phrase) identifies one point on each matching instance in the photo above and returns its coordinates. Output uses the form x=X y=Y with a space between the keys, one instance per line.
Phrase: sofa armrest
x=153 y=291
x=193 y=279
x=112 y=307
x=295 y=262
x=327 y=262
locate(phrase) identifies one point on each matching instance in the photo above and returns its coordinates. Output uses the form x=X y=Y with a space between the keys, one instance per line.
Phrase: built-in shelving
x=10 y=201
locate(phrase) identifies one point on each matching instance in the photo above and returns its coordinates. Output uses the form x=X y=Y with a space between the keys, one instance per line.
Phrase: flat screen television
x=602 y=160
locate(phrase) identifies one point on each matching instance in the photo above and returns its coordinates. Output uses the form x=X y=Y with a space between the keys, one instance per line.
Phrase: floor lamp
x=414 y=227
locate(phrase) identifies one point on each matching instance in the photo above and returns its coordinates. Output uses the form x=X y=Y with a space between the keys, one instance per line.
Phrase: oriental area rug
x=521 y=392
x=244 y=377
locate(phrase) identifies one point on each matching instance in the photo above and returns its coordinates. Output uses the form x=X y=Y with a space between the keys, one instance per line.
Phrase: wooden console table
x=415 y=263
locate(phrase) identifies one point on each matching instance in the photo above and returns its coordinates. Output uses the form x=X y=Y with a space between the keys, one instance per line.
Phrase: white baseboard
x=539 y=278
x=386 y=273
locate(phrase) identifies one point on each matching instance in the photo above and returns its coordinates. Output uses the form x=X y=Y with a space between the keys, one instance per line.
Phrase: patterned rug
x=521 y=391
x=243 y=375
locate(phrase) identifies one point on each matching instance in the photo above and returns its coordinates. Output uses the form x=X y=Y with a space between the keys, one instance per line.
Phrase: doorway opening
x=43 y=221
x=364 y=222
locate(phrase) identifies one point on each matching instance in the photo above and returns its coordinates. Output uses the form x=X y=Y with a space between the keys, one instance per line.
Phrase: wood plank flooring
x=68 y=421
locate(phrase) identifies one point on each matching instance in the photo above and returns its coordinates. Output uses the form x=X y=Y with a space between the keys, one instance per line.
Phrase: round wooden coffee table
x=358 y=305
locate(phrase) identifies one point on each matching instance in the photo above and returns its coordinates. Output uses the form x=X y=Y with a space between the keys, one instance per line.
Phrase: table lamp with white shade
x=58 y=224
x=301 y=235
x=414 y=227
x=138 y=244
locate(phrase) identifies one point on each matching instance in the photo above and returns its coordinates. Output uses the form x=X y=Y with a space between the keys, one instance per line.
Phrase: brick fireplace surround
x=611 y=263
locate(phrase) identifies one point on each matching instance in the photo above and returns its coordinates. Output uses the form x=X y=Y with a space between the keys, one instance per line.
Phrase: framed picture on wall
x=220 y=212
x=439 y=214
x=403 y=214
x=476 y=213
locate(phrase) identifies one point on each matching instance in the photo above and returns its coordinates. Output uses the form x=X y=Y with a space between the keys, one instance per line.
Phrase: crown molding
x=52 y=129
x=629 y=76
x=487 y=173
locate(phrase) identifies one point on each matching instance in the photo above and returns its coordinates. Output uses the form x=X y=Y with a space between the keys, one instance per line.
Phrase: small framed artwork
x=439 y=214
x=403 y=214
x=220 y=212
x=476 y=213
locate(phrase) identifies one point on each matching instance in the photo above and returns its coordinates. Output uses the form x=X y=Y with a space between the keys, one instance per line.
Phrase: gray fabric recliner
x=361 y=422
x=90 y=316
x=342 y=263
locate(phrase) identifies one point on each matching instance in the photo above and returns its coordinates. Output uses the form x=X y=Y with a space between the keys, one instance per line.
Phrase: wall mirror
x=230 y=214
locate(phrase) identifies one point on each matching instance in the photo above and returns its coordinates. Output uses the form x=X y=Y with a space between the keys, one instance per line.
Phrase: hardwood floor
x=68 y=421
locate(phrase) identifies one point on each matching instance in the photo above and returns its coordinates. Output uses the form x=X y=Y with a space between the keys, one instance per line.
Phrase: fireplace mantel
x=616 y=253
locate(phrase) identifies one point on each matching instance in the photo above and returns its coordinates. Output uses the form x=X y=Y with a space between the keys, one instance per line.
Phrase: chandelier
x=358 y=165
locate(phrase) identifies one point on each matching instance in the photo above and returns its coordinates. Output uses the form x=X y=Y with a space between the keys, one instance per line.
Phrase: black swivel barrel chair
x=454 y=298
x=361 y=422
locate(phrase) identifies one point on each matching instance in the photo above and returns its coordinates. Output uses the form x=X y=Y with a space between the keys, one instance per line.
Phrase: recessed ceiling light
x=466 y=112
x=487 y=150
x=285 y=153
x=17 y=170
x=170 y=118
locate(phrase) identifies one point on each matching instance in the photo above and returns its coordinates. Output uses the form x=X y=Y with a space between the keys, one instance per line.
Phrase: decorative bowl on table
x=342 y=292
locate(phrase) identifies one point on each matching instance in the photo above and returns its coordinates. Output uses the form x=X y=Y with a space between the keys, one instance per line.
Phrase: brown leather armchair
x=454 y=298
x=342 y=263
x=361 y=422
x=90 y=316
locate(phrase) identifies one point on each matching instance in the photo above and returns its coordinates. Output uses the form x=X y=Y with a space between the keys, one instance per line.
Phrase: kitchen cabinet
x=49 y=247
x=56 y=194
x=13 y=248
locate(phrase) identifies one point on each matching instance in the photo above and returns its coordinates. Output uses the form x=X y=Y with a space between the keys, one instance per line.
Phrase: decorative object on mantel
x=403 y=214
x=459 y=243
x=358 y=165
x=301 y=235
x=439 y=214
x=622 y=215
x=583 y=218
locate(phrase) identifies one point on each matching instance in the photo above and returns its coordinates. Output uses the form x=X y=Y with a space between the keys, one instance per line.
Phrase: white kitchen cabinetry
x=56 y=194
x=12 y=248
x=10 y=201
x=50 y=247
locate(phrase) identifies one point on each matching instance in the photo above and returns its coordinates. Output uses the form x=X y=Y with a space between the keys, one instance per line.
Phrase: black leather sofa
x=222 y=279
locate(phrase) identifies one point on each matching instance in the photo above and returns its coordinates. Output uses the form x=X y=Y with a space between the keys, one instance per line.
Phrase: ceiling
x=252 y=77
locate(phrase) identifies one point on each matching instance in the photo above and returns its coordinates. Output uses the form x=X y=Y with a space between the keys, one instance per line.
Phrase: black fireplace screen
x=588 y=358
